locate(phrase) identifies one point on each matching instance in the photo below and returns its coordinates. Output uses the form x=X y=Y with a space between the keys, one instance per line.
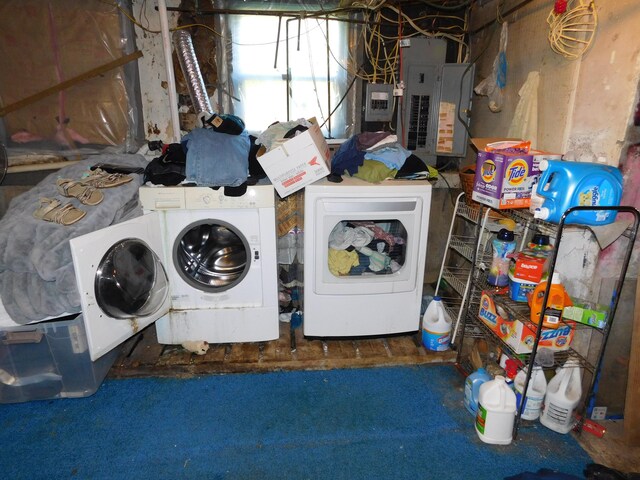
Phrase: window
x=318 y=79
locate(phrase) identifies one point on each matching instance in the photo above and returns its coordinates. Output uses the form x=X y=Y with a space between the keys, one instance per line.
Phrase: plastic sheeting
x=47 y=43
x=525 y=119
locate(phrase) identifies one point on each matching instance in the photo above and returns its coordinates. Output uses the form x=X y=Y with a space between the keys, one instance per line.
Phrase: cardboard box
x=587 y=313
x=297 y=162
x=518 y=335
x=528 y=266
x=505 y=180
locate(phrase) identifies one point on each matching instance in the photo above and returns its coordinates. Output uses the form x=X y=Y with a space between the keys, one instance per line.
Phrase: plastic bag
x=525 y=118
x=493 y=85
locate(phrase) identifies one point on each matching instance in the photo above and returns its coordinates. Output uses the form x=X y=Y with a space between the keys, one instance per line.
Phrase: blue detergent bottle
x=563 y=185
x=472 y=389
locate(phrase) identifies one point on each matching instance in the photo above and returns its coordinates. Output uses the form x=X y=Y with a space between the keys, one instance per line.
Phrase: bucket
x=436 y=326
x=564 y=184
x=536 y=391
x=472 y=389
x=562 y=397
x=496 y=412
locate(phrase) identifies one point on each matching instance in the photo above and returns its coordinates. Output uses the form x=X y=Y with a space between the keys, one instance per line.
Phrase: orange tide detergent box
x=520 y=335
x=504 y=178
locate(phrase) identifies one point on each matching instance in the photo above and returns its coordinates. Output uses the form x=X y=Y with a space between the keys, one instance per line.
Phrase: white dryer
x=365 y=248
x=201 y=264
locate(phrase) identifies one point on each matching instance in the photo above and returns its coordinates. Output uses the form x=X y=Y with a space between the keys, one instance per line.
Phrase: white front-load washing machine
x=200 y=264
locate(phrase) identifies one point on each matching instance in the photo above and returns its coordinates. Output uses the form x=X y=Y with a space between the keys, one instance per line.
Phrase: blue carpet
x=378 y=423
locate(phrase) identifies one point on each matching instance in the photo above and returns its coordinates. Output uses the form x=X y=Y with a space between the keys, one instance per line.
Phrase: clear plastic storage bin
x=49 y=360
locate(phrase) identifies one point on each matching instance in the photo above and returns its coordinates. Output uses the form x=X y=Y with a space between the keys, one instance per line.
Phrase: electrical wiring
x=353 y=81
x=148 y=30
x=437 y=6
x=384 y=68
x=455 y=38
x=431 y=17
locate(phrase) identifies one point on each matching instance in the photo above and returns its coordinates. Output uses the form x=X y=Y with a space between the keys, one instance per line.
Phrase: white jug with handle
x=563 y=395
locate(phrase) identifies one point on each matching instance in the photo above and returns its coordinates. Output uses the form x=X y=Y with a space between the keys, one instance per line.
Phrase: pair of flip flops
x=85 y=190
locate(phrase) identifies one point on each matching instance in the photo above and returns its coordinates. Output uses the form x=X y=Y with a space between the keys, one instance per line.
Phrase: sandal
x=86 y=194
x=98 y=178
x=51 y=210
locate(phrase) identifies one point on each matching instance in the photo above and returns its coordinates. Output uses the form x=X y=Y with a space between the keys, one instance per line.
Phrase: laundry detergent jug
x=556 y=302
x=472 y=389
x=563 y=185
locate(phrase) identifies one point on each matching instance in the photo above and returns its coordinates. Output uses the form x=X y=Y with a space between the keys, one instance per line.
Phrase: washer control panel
x=204 y=198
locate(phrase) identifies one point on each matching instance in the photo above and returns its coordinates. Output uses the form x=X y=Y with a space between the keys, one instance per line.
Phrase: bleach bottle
x=563 y=395
x=563 y=185
x=536 y=391
x=436 y=326
x=496 y=412
x=472 y=389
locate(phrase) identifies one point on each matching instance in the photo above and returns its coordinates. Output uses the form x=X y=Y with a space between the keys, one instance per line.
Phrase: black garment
x=169 y=168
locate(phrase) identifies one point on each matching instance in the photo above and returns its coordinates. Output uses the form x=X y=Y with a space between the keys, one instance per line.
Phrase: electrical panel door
x=453 y=109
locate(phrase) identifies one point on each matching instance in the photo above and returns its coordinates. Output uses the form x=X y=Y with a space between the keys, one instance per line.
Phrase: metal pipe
x=326 y=22
x=287 y=72
x=275 y=61
x=171 y=80
x=223 y=61
x=508 y=12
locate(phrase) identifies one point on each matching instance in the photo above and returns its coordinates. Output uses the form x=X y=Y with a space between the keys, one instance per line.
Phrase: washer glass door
x=211 y=255
x=130 y=281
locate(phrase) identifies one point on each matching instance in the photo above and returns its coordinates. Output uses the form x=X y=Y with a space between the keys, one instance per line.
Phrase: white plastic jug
x=496 y=412
x=436 y=326
x=563 y=395
x=536 y=391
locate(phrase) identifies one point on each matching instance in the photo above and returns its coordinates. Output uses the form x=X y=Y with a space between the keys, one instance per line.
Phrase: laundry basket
x=467 y=177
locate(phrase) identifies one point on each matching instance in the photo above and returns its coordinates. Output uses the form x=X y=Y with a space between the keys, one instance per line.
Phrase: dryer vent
x=191 y=71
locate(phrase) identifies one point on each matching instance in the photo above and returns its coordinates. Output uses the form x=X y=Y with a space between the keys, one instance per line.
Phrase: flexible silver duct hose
x=191 y=71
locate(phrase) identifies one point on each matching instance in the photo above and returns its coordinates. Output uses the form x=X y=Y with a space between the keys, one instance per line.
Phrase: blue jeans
x=216 y=159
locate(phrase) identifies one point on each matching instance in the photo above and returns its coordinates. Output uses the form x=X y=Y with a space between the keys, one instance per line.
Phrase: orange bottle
x=558 y=299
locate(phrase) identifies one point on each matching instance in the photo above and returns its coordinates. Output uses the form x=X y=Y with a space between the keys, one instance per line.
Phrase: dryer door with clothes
x=122 y=282
x=366 y=243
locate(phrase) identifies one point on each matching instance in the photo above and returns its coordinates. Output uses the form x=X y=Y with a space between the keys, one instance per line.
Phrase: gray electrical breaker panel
x=435 y=102
x=379 y=102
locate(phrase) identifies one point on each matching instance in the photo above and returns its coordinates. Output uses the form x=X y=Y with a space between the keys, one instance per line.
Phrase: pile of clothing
x=366 y=247
x=376 y=156
x=219 y=154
